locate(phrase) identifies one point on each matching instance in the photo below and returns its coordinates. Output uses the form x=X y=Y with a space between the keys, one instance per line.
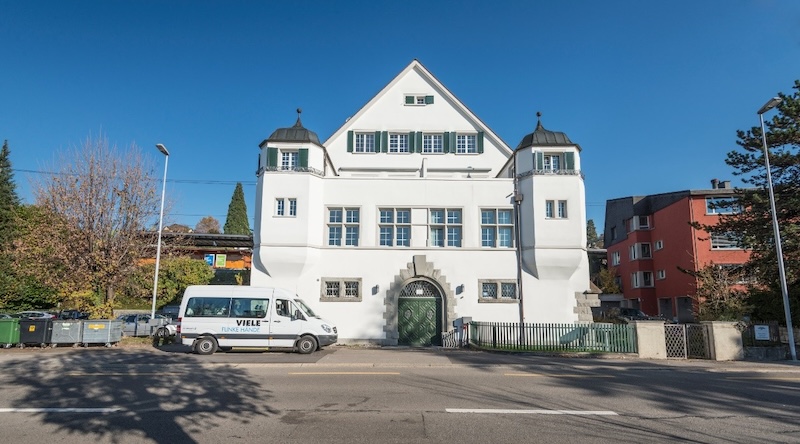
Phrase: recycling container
x=9 y=332
x=67 y=332
x=102 y=331
x=35 y=332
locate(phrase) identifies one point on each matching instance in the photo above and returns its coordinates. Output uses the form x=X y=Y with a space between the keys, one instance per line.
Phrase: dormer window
x=418 y=100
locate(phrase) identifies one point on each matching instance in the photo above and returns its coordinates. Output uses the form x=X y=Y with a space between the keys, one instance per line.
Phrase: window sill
x=497 y=301
x=339 y=299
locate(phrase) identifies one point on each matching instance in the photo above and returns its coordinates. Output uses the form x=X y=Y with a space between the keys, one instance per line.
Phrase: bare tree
x=208 y=224
x=98 y=201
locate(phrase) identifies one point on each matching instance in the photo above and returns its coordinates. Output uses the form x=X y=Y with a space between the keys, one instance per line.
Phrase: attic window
x=418 y=100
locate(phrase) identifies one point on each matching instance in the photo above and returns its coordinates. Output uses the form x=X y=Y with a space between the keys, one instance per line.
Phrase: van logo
x=248 y=323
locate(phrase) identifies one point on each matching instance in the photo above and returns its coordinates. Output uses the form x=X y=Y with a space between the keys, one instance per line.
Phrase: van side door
x=285 y=328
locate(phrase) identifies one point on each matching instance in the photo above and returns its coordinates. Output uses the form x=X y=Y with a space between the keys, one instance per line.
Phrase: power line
x=184 y=181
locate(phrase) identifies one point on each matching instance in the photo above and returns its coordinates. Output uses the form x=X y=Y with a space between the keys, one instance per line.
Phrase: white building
x=403 y=220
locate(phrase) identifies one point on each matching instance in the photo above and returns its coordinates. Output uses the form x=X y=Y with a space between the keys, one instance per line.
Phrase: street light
x=164 y=151
x=772 y=103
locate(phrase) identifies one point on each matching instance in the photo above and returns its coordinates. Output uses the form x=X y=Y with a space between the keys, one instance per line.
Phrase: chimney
x=726 y=184
x=714 y=184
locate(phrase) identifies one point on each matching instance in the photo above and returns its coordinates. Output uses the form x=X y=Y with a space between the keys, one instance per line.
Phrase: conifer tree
x=9 y=201
x=236 y=222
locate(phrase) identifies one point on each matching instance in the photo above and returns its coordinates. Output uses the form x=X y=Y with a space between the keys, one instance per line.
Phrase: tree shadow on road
x=165 y=398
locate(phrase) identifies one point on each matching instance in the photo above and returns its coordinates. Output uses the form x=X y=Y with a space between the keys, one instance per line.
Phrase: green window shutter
x=349 y=141
x=419 y=141
x=409 y=100
x=453 y=145
x=446 y=143
x=539 y=161
x=272 y=157
x=385 y=142
x=302 y=158
x=480 y=142
x=412 y=137
x=569 y=161
x=377 y=141
x=428 y=100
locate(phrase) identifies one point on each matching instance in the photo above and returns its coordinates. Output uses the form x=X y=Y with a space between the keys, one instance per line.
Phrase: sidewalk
x=439 y=357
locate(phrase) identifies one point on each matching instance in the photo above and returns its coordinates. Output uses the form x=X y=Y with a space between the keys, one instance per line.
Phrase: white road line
x=534 y=412
x=61 y=410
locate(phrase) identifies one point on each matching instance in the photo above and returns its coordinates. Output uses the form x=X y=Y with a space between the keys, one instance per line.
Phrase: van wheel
x=205 y=346
x=306 y=345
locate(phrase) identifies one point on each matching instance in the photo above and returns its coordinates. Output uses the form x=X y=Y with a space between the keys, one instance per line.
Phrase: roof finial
x=539 y=118
x=299 y=124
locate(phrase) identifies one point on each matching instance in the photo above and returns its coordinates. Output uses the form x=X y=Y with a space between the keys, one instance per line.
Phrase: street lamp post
x=164 y=151
x=772 y=103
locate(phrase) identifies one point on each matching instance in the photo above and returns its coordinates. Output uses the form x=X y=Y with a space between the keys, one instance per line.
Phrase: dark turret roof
x=543 y=137
x=296 y=133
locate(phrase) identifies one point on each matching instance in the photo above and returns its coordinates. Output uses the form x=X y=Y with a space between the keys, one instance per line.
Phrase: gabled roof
x=427 y=75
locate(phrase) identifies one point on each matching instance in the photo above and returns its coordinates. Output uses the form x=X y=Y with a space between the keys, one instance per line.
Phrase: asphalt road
x=388 y=395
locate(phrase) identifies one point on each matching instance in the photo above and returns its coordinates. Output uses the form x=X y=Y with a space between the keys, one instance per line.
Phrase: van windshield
x=306 y=308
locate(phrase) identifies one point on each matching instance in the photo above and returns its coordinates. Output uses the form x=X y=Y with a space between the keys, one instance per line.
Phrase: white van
x=221 y=317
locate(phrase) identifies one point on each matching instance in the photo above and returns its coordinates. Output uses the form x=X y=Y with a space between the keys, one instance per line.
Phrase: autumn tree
x=719 y=295
x=208 y=224
x=87 y=231
x=606 y=280
x=236 y=222
x=749 y=220
x=174 y=275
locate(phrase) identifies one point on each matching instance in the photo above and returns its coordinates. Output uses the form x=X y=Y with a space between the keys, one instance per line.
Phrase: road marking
x=767 y=378
x=61 y=410
x=535 y=412
x=342 y=373
x=544 y=375
x=123 y=374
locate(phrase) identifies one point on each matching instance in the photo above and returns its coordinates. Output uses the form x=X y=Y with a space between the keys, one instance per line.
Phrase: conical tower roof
x=296 y=133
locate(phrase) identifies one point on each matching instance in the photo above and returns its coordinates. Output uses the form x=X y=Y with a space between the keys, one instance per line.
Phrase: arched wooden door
x=419 y=314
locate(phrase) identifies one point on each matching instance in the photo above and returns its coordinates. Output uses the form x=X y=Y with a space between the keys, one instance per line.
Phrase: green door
x=417 y=321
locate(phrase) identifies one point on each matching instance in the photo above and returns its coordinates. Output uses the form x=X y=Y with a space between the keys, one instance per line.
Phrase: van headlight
x=326 y=328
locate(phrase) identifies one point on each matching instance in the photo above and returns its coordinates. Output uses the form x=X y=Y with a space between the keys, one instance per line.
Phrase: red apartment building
x=648 y=238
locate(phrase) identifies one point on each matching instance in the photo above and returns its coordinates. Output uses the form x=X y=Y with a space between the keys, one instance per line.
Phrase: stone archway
x=418 y=270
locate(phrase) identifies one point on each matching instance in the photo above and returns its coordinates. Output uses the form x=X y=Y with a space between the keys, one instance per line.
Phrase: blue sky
x=652 y=91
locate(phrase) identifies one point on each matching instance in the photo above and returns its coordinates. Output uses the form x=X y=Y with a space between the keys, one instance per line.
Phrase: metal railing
x=597 y=337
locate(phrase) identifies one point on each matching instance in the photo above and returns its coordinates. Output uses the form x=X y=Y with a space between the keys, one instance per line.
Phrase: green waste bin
x=9 y=332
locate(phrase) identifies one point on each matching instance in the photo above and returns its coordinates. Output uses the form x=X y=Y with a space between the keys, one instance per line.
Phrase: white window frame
x=640 y=250
x=289 y=160
x=345 y=221
x=615 y=258
x=364 y=143
x=447 y=226
x=432 y=143
x=552 y=161
x=639 y=279
x=717 y=211
x=505 y=291
x=466 y=144
x=341 y=289
x=661 y=274
x=659 y=245
x=398 y=143
x=495 y=227
x=390 y=218
x=555 y=209
x=285 y=207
